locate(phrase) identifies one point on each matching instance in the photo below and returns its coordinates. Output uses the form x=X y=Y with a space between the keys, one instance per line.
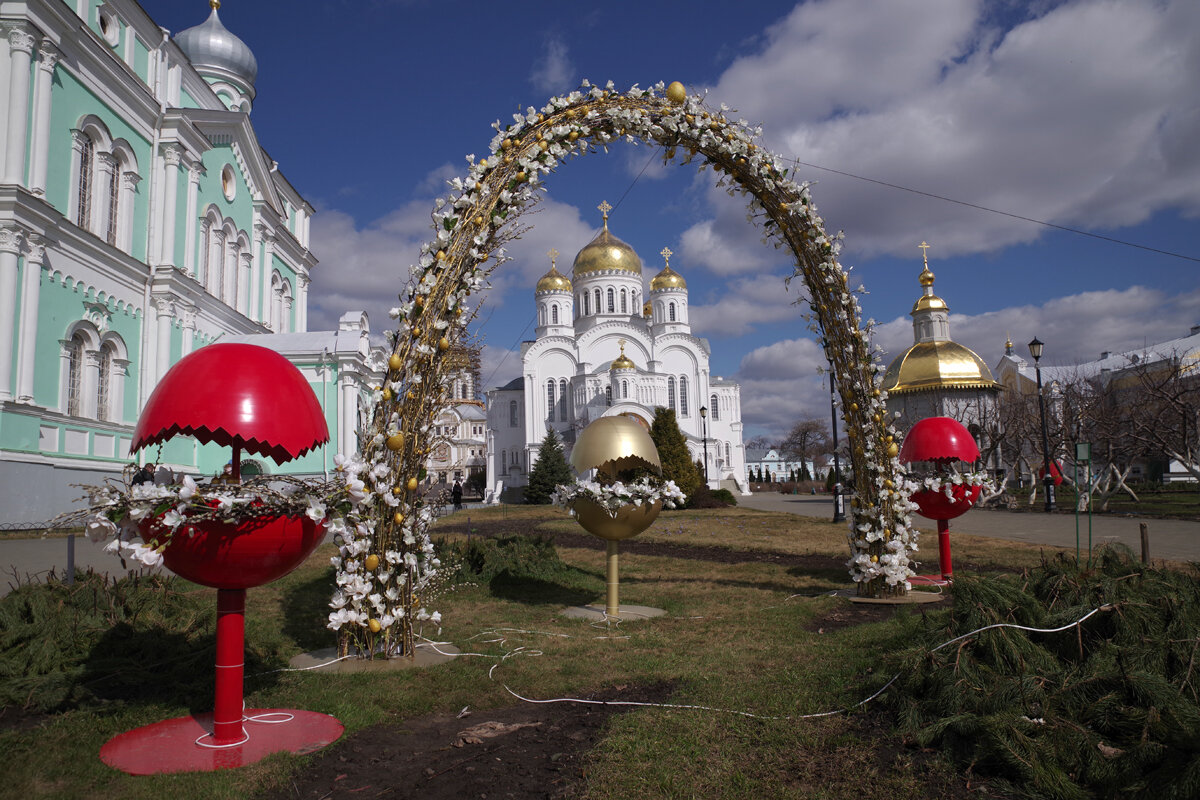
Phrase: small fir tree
x=805 y=475
x=550 y=471
x=673 y=454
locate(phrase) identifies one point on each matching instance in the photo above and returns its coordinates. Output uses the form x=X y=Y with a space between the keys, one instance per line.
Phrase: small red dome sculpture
x=942 y=440
x=249 y=398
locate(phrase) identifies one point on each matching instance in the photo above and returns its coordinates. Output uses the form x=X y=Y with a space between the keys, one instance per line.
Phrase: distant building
x=460 y=431
x=604 y=347
x=938 y=377
x=775 y=467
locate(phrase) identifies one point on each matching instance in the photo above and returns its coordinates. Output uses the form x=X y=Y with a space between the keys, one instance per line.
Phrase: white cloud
x=553 y=72
x=744 y=303
x=1084 y=115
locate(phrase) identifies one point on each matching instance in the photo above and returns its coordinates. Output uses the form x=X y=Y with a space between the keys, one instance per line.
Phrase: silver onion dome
x=214 y=51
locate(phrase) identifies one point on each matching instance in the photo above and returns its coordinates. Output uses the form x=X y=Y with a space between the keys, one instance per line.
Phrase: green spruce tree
x=550 y=471
x=677 y=465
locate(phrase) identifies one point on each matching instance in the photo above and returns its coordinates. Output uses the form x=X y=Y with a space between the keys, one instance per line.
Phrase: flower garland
x=946 y=483
x=614 y=496
x=478 y=216
x=115 y=510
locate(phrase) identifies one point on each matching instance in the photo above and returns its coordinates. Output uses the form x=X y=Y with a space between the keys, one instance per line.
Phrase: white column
x=268 y=256
x=288 y=323
x=20 y=43
x=229 y=276
x=10 y=248
x=302 y=282
x=187 y=317
x=35 y=253
x=42 y=89
x=163 y=309
x=129 y=182
x=172 y=156
x=189 y=231
x=348 y=417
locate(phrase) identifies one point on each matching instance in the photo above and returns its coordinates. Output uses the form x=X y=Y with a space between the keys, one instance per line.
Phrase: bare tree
x=808 y=438
x=1158 y=404
x=761 y=442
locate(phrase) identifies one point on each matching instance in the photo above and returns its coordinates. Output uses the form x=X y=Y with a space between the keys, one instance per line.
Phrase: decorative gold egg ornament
x=610 y=445
x=676 y=93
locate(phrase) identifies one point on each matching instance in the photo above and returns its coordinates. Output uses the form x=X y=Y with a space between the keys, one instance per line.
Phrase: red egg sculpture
x=942 y=441
x=252 y=399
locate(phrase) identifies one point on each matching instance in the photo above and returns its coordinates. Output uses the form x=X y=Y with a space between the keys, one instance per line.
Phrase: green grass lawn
x=737 y=636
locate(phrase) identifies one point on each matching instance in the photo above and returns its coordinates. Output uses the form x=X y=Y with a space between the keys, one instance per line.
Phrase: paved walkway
x=1172 y=539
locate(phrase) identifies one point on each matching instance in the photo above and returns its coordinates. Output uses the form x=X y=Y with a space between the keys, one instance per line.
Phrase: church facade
x=140 y=219
x=606 y=346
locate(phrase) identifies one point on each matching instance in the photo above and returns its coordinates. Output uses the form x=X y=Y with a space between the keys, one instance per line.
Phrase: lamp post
x=839 y=510
x=1035 y=350
x=704 y=435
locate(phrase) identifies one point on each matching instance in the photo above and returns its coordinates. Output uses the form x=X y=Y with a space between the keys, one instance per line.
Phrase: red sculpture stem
x=231 y=654
x=944 y=549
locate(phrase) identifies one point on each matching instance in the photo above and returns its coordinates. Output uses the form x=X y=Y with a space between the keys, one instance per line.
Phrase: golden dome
x=667 y=279
x=647 y=311
x=554 y=281
x=623 y=361
x=607 y=252
x=929 y=302
x=927 y=366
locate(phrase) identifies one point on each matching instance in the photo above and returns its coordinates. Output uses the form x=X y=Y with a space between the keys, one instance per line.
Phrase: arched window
x=624 y=390
x=608 y=395
x=550 y=400
x=683 y=396
x=84 y=181
x=554 y=314
x=75 y=352
x=513 y=414
x=562 y=400
x=541 y=315
x=671 y=393
x=587 y=306
x=114 y=203
x=671 y=312
x=612 y=307
x=728 y=457
x=596 y=295
x=503 y=462
x=713 y=408
x=624 y=308
x=104 y=384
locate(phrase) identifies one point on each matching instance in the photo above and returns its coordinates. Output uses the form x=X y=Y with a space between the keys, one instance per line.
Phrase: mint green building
x=140 y=219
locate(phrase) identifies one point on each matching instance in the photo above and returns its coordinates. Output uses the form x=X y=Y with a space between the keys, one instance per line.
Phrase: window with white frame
x=714 y=407
x=683 y=396
x=550 y=400
x=562 y=400
x=75 y=351
x=671 y=393
x=611 y=305
x=513 y=414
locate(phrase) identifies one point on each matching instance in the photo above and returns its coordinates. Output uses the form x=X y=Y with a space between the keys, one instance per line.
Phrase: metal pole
x=612 y=605
x=704 y=434
x=839 y=511
x=1048 y=480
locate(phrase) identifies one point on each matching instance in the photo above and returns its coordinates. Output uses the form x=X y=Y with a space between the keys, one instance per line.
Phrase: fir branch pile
x=1108 y=708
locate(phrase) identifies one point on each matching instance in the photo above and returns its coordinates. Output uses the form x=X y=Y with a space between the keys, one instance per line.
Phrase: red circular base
x=170 y=745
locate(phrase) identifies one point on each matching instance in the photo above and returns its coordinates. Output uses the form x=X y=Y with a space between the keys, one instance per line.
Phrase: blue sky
x=1082 y=114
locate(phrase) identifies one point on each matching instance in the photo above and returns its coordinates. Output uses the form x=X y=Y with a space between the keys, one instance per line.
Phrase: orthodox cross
x=666 y=254
x=553 y=257
x=924 y=252
x=604 y=209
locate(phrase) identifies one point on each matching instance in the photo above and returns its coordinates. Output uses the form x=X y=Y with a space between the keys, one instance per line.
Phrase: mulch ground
x=526 y=751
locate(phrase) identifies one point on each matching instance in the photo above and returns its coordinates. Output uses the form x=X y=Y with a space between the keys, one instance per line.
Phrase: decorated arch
x=472 y=225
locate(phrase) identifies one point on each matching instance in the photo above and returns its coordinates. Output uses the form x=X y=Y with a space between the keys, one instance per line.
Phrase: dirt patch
x=844 y=615
x=525 y=751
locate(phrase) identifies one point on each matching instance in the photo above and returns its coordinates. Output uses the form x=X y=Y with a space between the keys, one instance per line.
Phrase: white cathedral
x=604 y=347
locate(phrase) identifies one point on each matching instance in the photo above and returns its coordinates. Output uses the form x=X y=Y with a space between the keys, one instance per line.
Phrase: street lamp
x=1035 y=350
x=704 y=434
x=839 y=509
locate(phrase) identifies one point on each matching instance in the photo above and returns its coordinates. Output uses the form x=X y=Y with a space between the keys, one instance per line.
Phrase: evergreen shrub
x=1109 y=708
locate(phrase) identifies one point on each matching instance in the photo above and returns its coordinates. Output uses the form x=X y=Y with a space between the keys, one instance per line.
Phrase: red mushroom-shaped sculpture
x=253 y=400
x=942 y=441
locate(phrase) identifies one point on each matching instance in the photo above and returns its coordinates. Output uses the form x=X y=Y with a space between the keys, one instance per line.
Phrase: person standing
x=456 y=493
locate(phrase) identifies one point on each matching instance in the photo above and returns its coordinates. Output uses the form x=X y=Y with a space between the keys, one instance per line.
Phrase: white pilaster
x=20 y=44
x=163 y=310
x=302 y=282
x=189 y=233
x=268 y=257
x=10 y=249
x=89 y=387
x=172 y=156
x=256 y=271
x=187 y=317
x=42 y=88
x=245 y=276
x=35 y=254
